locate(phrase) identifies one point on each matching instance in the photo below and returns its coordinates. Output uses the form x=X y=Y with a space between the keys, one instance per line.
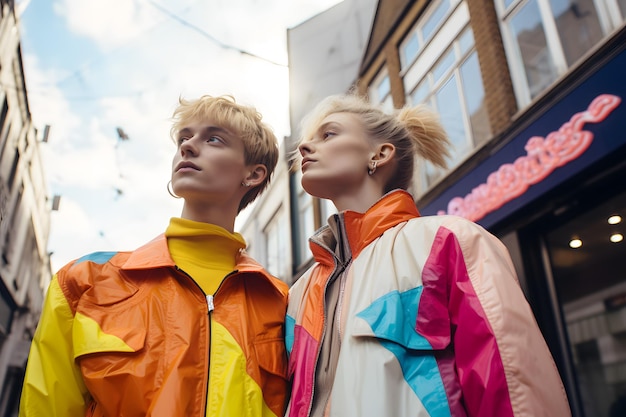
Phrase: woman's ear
x=257 y=174
x=384 y=153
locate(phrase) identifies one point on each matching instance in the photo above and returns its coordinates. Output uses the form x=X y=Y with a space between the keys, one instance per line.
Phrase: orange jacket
x=129 y=334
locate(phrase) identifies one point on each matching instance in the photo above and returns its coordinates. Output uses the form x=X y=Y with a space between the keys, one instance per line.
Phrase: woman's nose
x=304 y=148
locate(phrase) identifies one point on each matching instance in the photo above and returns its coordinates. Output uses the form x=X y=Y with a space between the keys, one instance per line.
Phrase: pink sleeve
x=503 y=364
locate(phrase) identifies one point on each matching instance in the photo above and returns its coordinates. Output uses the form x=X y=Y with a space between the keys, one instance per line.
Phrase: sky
x=94 y=66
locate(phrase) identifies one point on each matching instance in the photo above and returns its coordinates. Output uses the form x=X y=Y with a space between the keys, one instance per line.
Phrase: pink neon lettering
x=543 y=155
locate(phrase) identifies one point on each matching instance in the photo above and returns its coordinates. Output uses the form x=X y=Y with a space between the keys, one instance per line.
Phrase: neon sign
x=543 y=156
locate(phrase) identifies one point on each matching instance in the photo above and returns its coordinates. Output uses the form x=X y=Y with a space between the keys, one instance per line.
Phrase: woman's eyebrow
x=326 y=125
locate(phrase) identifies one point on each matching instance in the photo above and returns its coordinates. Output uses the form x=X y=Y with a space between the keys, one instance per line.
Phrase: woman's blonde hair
x=260 y=143
x=414 y=131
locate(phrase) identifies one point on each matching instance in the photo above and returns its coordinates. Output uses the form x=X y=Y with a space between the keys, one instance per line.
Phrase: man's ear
x=257 y=175
x=384 y=153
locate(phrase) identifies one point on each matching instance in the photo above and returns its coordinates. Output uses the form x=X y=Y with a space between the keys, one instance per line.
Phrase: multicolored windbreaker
x=433 y=322
x=128 y=334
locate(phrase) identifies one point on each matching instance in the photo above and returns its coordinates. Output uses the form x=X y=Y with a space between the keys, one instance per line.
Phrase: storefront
x=555 y=193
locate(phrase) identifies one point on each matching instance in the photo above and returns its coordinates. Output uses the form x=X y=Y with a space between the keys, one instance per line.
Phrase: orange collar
x=361 y=229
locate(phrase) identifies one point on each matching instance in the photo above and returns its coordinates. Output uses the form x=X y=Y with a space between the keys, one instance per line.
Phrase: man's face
x=209 y=164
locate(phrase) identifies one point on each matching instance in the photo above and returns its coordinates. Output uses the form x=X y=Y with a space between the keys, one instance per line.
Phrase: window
x=424 y=30
x=4 y=200
x=594 y=310
x=436 y=14
x=13 y=171
x=276 y=240
x=327 y=208
x=15 y=219
x=410 y=49
x=453 y=87
x=306 y=220
x=380 y=91
x=544 y=38
x=3 y=117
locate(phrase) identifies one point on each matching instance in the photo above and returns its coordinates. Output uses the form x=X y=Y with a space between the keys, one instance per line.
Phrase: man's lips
x=187 y=166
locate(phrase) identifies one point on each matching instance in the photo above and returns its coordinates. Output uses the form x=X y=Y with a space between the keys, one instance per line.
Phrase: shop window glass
x=420 y=93
x=276 y=241
x=529 y=33
x=466 y=41
x=591 y=287
x=327 y=208
x=545 y=38
x=410 y=49
x=578 y=25
x=452 y=85
x=443 y=66
x=384 y=88
x=432 y=173
x=380 y=90
x=425 y=30
x=306 y=224
x=435 y=19
x=474 y=95
x=451 y=114
x=387 y=105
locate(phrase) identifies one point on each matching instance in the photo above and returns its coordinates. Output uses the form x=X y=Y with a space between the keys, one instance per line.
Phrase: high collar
x=352 y=231
x=155 y=254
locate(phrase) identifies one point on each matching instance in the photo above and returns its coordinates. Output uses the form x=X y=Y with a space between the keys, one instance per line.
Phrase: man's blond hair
x=260 y=143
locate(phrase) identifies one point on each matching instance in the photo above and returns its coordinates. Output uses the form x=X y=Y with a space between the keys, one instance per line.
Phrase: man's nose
x=188 y=147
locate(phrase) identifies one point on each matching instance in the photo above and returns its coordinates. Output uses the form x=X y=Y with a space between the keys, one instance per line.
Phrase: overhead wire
x=171 y=15
x=209 y=36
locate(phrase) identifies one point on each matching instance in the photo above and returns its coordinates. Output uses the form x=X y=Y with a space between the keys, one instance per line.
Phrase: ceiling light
x=615 y=219
x=575 y=243
x=616 y=237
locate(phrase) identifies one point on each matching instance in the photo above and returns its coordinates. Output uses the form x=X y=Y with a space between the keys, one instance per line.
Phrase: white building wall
x=274 y=201
x=324 y=57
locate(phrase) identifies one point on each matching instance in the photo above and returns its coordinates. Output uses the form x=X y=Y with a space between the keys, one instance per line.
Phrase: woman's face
x=335 y=160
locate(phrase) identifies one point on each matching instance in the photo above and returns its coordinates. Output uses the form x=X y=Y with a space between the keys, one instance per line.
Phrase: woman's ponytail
x=427 y=133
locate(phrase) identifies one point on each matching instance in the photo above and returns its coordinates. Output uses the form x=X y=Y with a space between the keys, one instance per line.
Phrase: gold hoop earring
x=171 y=191
x=371 y=170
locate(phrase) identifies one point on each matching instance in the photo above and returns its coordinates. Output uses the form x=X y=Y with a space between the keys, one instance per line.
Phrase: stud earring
x=245 y=184
x=371 y=170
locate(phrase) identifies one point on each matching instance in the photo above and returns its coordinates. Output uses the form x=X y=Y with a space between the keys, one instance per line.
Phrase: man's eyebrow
x=217 y=129
x=207 y=130
x=184 y=130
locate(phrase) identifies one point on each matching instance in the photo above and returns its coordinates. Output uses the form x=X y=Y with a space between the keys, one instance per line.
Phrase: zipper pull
x=209 y=302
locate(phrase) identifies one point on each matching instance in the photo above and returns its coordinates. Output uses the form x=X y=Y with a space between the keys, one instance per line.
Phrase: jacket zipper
x=210 y=307
x=319 y=349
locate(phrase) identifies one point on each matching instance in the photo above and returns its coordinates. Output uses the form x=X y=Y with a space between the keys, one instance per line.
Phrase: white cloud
x=147 y=60
x=108 y=22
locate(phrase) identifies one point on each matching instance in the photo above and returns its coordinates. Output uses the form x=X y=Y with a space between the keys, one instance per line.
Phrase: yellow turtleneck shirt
x=206 y=252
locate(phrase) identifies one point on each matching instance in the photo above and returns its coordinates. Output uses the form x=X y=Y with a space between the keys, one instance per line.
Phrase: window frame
x=610 y=19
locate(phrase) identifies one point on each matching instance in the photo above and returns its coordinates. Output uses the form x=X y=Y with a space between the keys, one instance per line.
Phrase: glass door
x=587 y=259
